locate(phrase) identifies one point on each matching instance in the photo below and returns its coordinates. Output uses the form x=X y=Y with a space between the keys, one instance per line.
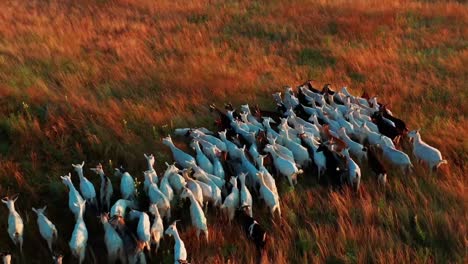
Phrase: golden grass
x=105 y=80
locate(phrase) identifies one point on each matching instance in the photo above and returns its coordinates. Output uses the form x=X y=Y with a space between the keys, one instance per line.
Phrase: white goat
x=196 y=214
x=201 y=175
x=210 y=192
x=127 y=184
x=176 y=181
x=284 y=166
x=86 y=187
x=15 y=222
x=354 y=172
x=165 y=186
x=180 y=253
x=157 y=228
x=182 y=158
x=120 y=207
x=319 y=158
x=250 y=169
x=143 y=228
x=202 y=159
x=270 y=198
x=74 y=197
x=46 y=227
x=397 y=158
x=193 y=186
x=355 y=148
x=114 y=243
x=218 y=169
x=79 y=237
x=159 y=198
x=231 y=203
x=269 y=180
x=153 y=176
x=106 y=191
x=423 y=152
x=245 y=196
x=230 y=147
x=198 y=134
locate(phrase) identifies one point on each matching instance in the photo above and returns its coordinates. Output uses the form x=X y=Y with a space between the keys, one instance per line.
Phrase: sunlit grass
x=105 y=80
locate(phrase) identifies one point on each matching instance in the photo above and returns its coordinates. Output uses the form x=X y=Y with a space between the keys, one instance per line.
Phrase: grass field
x=103 y=81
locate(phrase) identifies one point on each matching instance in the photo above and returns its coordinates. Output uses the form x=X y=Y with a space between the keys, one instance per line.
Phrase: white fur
x=143 y=227
x=285 y=167
x=182 y=158
x=201 y=158
x=397 y=158
x=354 y=172
x=120 y=207
x=46 y=227
x=153 y=176
x=196 y=214
x=355 y=148
x=157 y=228
x=106 y=190
x=86 y=187
x=271 y=200
x=159 y=198
x=15 y=223
x=268 y=179
x=423 y=151
x=194 y=187
x=180 y=253
x=79 y=237
x=245 y=196
x=114 y=243
x=231 y=203
x=127 y=185
x=319 y=158
x=74 y=197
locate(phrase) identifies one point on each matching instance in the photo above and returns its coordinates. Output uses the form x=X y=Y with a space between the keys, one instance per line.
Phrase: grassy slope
x=104 y=81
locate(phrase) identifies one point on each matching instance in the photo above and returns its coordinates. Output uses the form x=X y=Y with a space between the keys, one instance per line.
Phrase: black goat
x=384 y=127
x=235 y=113
x=336 y=166
x=223 y=122
x=252 y=228
x=327 y=89
x=375 y=165
x=399 y=124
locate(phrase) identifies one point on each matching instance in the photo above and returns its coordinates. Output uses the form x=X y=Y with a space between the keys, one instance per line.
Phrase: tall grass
x=104 y=81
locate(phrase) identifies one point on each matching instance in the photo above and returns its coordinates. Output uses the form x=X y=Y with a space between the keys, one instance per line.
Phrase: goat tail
x=440 y=163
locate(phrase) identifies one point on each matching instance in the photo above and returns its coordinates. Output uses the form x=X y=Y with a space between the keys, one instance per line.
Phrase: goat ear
x=15 y=197
x=146 y=156
x=417 y=130
x=82 y=163
x=34 y=210
x=69 y=174
x=74 y=165
x=44 y=208
x=5 y=200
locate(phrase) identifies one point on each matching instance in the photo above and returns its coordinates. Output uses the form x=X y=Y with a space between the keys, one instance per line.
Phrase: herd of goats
x=330 y=132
